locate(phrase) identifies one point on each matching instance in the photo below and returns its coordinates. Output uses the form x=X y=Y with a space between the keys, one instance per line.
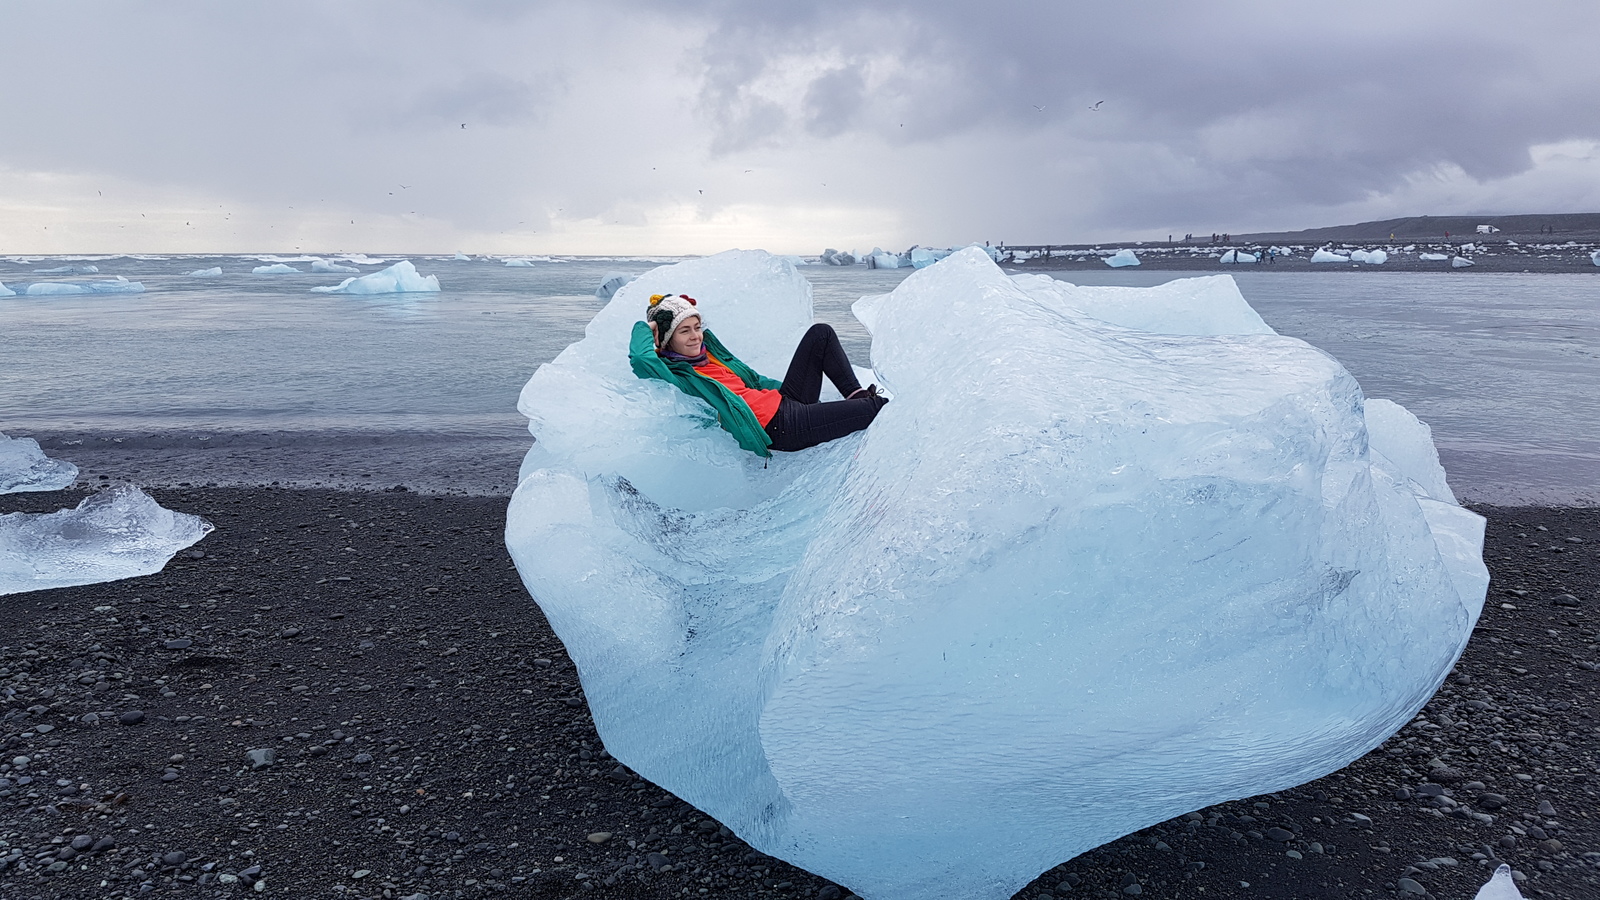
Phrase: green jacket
x=733 y=414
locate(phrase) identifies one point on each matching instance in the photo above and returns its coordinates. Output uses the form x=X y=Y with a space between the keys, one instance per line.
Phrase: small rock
x=89 y=718
x=44 y=729
x=360 y=873
x=175 y=858
x=1546 y=808
x=1509 y=841
x=362 y=759
x=131 y=717
x=81 y=843
x=179 y=644
x=1281 y=835
x=1550 y=846
x=261 y=758
x=1491 y=802
x=1407 y=886
x=103 y=845
x=1568 y=600
x=599 y=837
x=829 y=892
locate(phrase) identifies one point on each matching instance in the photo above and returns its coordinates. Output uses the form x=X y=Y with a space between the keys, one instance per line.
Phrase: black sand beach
x=429 y=738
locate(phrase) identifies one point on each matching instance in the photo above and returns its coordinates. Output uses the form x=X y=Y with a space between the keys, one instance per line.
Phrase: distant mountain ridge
x=1567 y=226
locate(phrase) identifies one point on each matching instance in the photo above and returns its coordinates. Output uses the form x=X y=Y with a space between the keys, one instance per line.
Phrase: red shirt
x=763 y=403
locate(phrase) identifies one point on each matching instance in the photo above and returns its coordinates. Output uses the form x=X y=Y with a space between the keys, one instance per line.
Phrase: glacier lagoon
x=1102 y=540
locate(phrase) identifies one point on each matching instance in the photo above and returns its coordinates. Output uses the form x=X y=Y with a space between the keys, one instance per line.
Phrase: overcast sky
x=607 y=126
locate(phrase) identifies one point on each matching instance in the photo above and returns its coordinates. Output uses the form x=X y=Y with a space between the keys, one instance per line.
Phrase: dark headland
x=350 y=694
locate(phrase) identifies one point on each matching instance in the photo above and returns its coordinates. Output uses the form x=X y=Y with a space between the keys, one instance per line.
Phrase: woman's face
x=687 y=337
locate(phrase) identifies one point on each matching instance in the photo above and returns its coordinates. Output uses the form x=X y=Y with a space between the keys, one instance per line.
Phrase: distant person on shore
x=672 y=345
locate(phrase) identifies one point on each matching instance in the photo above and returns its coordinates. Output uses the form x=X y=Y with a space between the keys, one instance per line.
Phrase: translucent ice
x=212 y=272
x=24 y=467
x=1595 y=257
x=1433 y=257
x=1104 y=543
x=118 y=285
x=612 y=283
x=527 y=261
x=1122 y=258
x=1502 y=886
x=1460 y=262
x=6 y=292
x=399 y=278
x=1323 y=256
x=117 y=533
x=1237 y=256
x=461 y=256
x=275 y=269
x=69 y=270
x=322 y=265
x=923 y=257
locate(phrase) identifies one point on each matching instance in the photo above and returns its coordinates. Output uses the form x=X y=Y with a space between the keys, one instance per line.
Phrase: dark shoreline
x=430 y=732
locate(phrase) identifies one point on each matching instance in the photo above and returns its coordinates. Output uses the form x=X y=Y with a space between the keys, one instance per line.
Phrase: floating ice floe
x=524 y=261
x=461 y=256
x=1370 y=257
x=1324 y=256
x=1122 y=258
x=69 y=270
x=25 y=467
x=878 y=259
x=1595 y=257
x=1433 y=257
x=118 y=285
x=212 y=272
x=832 y=257
x=322 y=265
x=6 y=292
x=1460 y=262
x=400 y=278
x=923 y=257
x=275 y=269
x=116 y=533
x=1102 y=542
x=1236 y=256
x=612 y=283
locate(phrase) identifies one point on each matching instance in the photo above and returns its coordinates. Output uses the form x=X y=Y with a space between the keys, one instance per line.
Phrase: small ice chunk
x=275 y=269
x=878 y=259
x=1460 y=262
x=612 y=283
x=400 y=278
x=1323 y=256
x=116 y=533
x=832 y=257
x=6 y=292
x=1122 y=258
x=119 y=285
x=25 y=467
x=1432 y=257
x=322 y=265
x=525 y=261
x=212 y=272
x=462 y=256
x=1237 y=256
x=923 y=257
x=1595 y=257
x=69 y=270
x=1501 y=886
x=1370 y=257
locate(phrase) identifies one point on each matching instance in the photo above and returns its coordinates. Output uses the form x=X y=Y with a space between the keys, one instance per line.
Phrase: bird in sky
x=748 y=171
x=405 y=187
x=702 y=192
x=463 y=124
x=1038 y=107
x=1096 y=106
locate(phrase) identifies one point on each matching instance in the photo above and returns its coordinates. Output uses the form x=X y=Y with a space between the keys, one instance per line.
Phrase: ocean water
x=251 y=379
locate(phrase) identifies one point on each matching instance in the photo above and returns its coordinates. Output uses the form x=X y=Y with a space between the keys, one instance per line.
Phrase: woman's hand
x=654 y=333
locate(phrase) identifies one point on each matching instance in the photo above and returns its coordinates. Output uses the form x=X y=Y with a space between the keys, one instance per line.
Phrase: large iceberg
x=1104 y=543
x=1122 y=258
x=116 y=533
x=400 y=278
x=118 y=285
x=25 y=467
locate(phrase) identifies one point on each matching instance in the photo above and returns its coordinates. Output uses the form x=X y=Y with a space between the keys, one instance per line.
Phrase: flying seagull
x=1096 y=106
x=1038 y=107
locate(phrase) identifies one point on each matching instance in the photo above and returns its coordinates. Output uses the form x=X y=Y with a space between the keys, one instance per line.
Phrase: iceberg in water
x=1122 y=258
x=6 y=292
x=461 y=256
x=1236 y=256
x=878 y=259
x=1126 y=543
x=923 y=257
x=612 y=283
x=322 y=265
x=524 y=261
x=275 y=269
x=117 y=533
x=832 y=257
x=119 y=285
x=212 y=272
x=399 y=278
x=1595 y=257
x=69 y=270
x=1324 y=256
x=24 y=467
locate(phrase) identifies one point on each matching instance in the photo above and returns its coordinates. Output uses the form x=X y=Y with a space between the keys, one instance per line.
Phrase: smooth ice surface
x=923 y=257
x=119 y=285
x=6 y=292
x=1460 y=262
x=1501 y=886
x=25 y=467
x=116 y=533
x=1433 y=257
x=1122 y=258
x=1370 y=257
x=212 y=272
x=275 y=269
x=1595 y=257
x=400 y=278
x=322 y=265
x=1240 y=257
x=461 y=256
x=1101 y=544
x=525 y=262
x=1323 y=256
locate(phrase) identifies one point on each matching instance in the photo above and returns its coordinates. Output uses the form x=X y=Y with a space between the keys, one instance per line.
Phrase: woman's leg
x=819 y=354
x=800 y=425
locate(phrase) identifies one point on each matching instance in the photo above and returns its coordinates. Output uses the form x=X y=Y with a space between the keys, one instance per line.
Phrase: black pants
x=802 y=421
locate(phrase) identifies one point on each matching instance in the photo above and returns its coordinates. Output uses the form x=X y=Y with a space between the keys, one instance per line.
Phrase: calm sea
x=246 y=378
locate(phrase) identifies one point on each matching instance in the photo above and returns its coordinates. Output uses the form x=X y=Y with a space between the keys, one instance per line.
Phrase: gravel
x=427 y=739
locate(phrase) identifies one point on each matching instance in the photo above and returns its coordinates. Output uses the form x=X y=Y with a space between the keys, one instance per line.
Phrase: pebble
x=89 y=718
x=81 y=843
x=1546 y=808
x=103 y=845
x=1281 y=835
x=175 y=858
x=261 y=758
x=179 y=644
x=1491 y=802
x=44 y=729
x=599 y=837
x=1407 y=886
x=131 y=717
x=362 y=759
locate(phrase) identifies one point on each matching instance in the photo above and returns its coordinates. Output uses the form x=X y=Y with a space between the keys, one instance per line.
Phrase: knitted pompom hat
x=668 y=311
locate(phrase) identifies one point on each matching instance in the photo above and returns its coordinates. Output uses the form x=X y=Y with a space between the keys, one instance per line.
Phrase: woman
x=671 y=344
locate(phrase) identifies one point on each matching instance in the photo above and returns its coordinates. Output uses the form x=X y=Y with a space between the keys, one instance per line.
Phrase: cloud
x=936 y=122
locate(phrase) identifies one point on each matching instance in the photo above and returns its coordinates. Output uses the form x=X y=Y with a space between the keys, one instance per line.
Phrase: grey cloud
x=833 y=100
